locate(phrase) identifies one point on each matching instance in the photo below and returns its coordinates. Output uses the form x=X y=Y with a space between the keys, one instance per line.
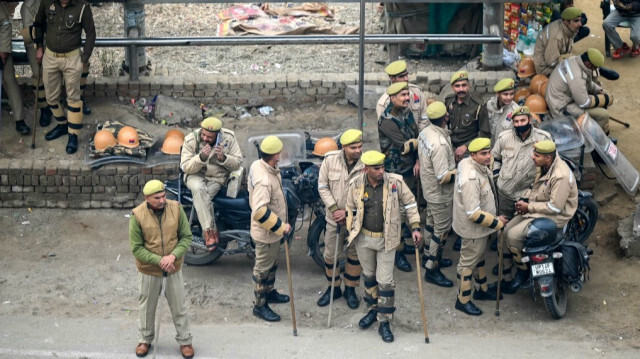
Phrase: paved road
x=39 y=337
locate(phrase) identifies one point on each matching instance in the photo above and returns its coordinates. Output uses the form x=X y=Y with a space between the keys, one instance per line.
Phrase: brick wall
x=251 y=90
x=72 y=184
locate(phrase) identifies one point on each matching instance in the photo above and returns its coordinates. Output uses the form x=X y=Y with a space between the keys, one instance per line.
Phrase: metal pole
x=361 y=66
x=295 y=40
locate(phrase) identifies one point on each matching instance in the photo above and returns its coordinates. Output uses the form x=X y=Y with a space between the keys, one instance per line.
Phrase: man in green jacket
x=159 y=236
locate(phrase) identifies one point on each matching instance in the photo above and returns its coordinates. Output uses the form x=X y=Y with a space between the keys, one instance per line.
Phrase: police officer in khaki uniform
x=554 y=195
x=398 y=133
x=268 y=225
x=516 y=172
x=474 y=219
x=28 y=12
x=374 y=200
x=9 y=82
x=397 y=72
x=406 y=18
x=159 y=236
x=555 y=41
x=60 y=23
x=437 y=174
x=500 y=107
x=572 y=91
x=209 y=154
x=337 y=169
x=468 y=119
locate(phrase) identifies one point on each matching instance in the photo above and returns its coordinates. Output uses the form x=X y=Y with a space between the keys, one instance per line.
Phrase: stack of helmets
x=173 y=141
x=521 y=94
x=536 y=83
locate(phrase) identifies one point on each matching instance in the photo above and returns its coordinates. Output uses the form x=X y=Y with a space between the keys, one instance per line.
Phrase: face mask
x=523 y=129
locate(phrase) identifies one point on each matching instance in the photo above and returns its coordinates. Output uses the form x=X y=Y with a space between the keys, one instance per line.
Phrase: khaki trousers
x=150 y=288
x=10 y=86
x=264 y=270
x=203 y=191
x=439 y=217
x=352 y=267
x=35 y=69
x=405 y=25
x=374 y=260
x=57 y=69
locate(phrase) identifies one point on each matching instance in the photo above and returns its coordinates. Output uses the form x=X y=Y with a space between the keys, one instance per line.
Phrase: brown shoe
x=187 y=351
x=142 y=350
x=211 y=239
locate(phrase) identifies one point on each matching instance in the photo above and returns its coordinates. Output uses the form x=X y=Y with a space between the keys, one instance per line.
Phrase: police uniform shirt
x=373 y=219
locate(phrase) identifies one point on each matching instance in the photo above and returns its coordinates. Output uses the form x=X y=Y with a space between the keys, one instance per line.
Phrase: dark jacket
x=633 y=12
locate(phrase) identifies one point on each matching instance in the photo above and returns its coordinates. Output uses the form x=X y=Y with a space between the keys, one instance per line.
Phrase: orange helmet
x=536 y=104
x=171 y=145
x=104 y=139
x=324 y=145
x=128 y=137
x=536 y=81
x=542 y=89
x=174 y=132
x=526 y=68
x=521 y=94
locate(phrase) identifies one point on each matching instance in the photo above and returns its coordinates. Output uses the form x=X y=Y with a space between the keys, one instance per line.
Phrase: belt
x=72 y=53
x=367 y=232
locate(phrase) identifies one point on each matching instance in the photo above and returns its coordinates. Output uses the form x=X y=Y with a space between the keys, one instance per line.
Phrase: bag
x=575 y=262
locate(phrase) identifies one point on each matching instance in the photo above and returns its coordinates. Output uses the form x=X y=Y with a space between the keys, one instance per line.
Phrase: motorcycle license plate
x=538 y=270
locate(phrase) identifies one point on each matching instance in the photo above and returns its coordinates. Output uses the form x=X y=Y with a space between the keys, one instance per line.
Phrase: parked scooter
x=233 y=215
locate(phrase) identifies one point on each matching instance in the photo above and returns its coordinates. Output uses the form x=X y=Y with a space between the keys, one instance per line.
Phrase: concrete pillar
x=492 y=24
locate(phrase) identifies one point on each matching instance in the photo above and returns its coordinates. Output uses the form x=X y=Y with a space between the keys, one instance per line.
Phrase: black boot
x=445 y=262
x=402 y=263
x=436 y=277
x=488 y=295
x=385 y=332
x=57 y=131
x=324 y=300
x=409 y=249
x=22 y=127
x=468 y=308
x=85 y=107
x=350 y=296
x=276 y=298
x=520 y=279
x=72 y=145
x=505 y=287
x=370 y=318
x=608 y=74
x=457 y=244
x=45 y=116
x=264 y=312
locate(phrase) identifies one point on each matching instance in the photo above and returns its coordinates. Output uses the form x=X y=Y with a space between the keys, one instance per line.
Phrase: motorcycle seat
x=240 y=203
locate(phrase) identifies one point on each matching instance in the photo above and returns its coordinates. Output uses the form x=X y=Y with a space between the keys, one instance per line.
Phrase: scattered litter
x=265 y=110
x=297 y=238
x=596 y=349
x=307 y=314
x=57 y=325
x=29 y=209
x=225 y=319
x=20 y=141
x=26 y=222
x=278 y=66
x=118 y=259
x=51 y=254
x=604 y=302
x=52 y=150
x=245 y=115
x=127 y=216
x=6 y=302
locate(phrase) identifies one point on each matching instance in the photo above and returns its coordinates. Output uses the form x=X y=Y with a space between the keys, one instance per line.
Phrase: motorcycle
x=558 y=261
x=233 y=215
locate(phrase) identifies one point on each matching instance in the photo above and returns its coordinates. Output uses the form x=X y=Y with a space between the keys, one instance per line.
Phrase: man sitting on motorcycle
x=554 y=195
x=208 y=155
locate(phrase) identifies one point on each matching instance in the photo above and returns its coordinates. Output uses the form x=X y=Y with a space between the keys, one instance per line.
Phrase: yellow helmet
x=522 y=94
x=171 y=145
x=526 y=68
x=128 y=137
x=174 y=132
x=536 y=104
x=324 y=145
x=104 y=139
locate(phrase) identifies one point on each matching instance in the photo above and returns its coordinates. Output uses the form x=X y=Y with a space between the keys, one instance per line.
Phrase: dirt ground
x=68 y=264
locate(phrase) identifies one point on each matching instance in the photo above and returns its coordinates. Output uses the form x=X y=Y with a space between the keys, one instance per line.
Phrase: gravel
x=201 y=20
